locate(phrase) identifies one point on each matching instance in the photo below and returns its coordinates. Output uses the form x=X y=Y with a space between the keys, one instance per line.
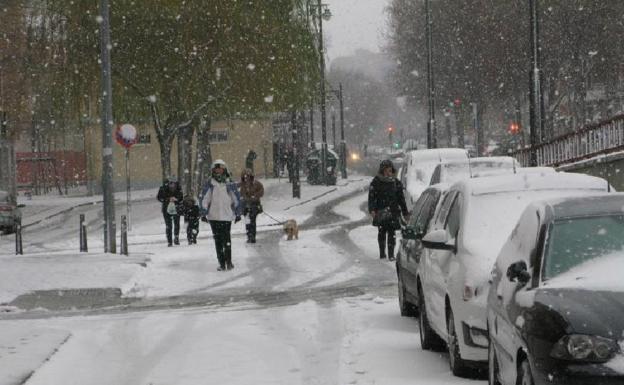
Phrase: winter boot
x=176 y=241
x=391 y=253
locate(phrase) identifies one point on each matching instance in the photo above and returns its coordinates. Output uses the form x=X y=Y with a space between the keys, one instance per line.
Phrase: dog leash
x=276 y=221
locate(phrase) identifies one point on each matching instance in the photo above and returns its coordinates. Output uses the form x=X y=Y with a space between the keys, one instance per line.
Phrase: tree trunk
x=165 y=144
x=203 y=155
x=185 y=158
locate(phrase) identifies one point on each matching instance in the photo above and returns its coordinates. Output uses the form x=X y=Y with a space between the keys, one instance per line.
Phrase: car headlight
x=580 y=347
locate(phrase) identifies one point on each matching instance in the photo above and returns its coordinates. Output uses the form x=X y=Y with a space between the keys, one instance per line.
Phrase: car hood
x=583 y=311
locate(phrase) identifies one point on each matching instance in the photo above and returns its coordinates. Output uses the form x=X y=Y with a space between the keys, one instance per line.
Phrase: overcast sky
x=355 y=24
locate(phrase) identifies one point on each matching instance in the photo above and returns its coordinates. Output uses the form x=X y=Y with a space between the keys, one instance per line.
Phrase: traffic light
x=514 y=128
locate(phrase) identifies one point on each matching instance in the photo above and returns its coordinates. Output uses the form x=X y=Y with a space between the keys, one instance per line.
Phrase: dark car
x=555 y=309
x=410 y=248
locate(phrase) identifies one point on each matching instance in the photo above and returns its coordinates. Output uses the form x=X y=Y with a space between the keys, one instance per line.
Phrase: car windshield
x=574 y=241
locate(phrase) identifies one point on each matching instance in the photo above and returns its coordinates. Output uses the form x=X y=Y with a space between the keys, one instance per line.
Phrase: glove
x=237 y=219
x=204 y=219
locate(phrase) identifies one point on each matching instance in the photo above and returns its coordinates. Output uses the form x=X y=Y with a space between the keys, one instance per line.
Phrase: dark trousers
x=172 y=222
x=223 y=242
x=192 y=229
x=251 y=227
x=385 y=236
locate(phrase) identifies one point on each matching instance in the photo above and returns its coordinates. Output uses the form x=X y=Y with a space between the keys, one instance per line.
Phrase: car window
x=574 y=241
x=444 y=209
x=420 y=203
x=452 y=221
x=435 y=178
x=425 y=215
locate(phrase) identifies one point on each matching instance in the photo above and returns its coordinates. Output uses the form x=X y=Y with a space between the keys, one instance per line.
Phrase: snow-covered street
x=318 y=310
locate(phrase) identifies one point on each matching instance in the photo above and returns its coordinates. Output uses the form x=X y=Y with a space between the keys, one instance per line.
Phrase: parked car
x=450 y=172
x=555 y=310
x=410 y=248
x=474 y=219
x=9 y=212
x=418 y=168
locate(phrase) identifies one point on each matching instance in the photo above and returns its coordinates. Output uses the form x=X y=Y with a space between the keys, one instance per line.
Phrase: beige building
x=229 y=140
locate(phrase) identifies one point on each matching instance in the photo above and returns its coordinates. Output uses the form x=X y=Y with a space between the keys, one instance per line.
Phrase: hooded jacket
x=165 y=194
x=220 y=201
x=387 y=193
x=251 y=190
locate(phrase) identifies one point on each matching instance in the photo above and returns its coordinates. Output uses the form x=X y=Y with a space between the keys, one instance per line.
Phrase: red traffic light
x=457 y=102
x=514 y=128
x=390 y=129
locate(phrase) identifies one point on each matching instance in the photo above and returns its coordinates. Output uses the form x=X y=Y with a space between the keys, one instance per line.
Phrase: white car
x=419 y=166
x=451 y=172
x=473 y=221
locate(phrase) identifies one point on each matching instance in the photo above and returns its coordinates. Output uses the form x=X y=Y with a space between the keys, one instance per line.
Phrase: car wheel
x=459 y=366
x=407 y=308
x=493 y=369
x=525 y=377
x=429 y=340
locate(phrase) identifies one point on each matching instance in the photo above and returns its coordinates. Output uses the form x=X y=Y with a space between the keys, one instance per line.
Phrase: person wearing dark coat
x=386 y=203
x=170 y=196
x=249 y=160
x=190 y=211
x=251 y=191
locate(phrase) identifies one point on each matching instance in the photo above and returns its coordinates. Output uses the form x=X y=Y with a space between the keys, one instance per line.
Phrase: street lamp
x=323 y=13
x=536 y=107
x=431 y=124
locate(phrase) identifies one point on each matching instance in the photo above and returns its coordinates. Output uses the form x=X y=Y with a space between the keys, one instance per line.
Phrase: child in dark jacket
x=190 y=210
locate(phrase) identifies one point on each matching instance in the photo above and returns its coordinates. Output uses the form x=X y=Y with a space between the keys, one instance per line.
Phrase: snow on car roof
x=600 y=204
x=532 y=182
x=437 y=155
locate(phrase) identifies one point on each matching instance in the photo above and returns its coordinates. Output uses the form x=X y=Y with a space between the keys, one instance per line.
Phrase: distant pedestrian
x=170 y=196
x=190 y=211
x=251 y=192
x=386 y=203
x=249 y=160
x=220 y=205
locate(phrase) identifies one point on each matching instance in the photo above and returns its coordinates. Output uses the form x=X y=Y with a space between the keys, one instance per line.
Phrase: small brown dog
x=291 y=229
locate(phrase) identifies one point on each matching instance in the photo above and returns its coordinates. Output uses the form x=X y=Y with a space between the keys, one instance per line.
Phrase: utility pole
x=537 y=104
x=343 y=143
x=431 y=125
x=107 y=130
x=323 y=111
x=296 y=183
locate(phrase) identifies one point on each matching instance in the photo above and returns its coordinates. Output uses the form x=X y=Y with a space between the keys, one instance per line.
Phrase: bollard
x=124 y=236
x=18 y=236
x=83 y=235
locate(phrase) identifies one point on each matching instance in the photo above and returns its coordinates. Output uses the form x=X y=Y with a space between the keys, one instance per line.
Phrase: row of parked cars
x=519 y=270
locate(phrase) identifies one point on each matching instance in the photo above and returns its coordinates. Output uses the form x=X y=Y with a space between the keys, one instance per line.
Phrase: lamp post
x=537 y=103
x=343 y=144
x=107 y=130
x=323 y=13
x=431 y=124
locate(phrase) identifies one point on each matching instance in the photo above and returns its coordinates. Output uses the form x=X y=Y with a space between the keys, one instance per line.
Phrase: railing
x=597 y=139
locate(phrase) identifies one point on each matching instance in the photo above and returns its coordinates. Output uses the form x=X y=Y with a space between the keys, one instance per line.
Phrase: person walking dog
x=220 y=205
x=170 y=196
x=251 y=192
x=386 y=203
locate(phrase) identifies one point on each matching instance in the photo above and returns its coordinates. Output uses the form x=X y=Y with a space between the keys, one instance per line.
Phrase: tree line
x=482 y=55
x=176 y=65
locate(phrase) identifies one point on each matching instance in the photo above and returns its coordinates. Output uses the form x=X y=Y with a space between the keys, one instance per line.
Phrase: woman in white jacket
x=220 y=204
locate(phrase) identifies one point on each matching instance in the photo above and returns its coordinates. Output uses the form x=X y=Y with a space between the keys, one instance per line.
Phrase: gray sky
x=355 y=24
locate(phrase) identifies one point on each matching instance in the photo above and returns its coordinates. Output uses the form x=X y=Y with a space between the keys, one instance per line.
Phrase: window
x=574 y=241
x=428 y=209
x=444 y=209
x=452 y=221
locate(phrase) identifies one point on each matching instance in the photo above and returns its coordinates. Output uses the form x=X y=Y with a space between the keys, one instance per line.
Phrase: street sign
x=126 y=135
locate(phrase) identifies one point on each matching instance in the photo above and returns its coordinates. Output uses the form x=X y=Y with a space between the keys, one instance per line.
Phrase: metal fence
x=598 y=139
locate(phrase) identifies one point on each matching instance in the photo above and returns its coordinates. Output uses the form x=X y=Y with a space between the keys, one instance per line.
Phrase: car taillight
x=6 y=208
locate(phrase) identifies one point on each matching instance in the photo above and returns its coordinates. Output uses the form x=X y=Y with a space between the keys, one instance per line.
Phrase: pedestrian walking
x=220 y=205
x=386 y=203
x=251 y=192
x=170 y=196
x=190 y=211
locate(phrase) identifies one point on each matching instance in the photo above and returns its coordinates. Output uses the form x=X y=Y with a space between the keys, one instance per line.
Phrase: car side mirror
x=438 y=240
x=408 y=233
x=519 y=272
x=21 y=205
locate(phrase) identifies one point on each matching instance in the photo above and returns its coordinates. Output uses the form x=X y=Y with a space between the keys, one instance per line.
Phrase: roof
x=438 y=154
x=600 y=204
x=531 y=182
